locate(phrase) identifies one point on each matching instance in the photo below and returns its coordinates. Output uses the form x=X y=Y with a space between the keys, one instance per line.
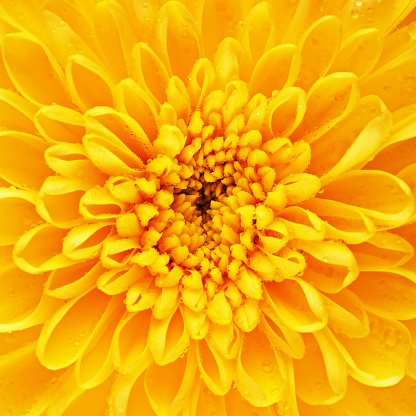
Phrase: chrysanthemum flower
x=207 y=208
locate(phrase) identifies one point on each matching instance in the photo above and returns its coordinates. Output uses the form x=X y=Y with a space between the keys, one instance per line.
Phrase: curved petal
x=321 y=375
x=226 y=339
x=16 y=113
x=177 y=38
x=331 y=265
x=379 y=359
x=58 y=200
x=377 y=194
x=227 y=61
x=119 y=279
x=71 y=161
x=71 y=281
x=168 y=338
x=265 y=79
x=148 y=70
x=167 y=386
x=359 y=53
x=342 y=222
x=40 y=249
x=330 y=100
x=225 y=17
x=85 y=241
x=116 y=252
x=60 y=124
x=318 y=46
x=389 y=293
x=34 y=70
x=130 y=349
x=297 y=304
x=17 y=214
x=88 y=84
x=133 y=100
x=64 y=337
x=216 y=370
x=202 y=80
x=233 y=400
x=203 y=402
x=260 y=378
x=21 y=159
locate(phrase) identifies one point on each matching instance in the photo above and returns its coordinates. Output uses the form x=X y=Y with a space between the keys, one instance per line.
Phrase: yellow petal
x=71 y=161
x=227 y=61
x=377 y=194
x=88 y=84
x=177 y=39
x=29 y=387
x=34 y=70
x=224 y=16
x=330 y=100
x=64 y=337
x=40 y=249
x=167 y=386
x=21 y=160
x=321 y=375
x=260 y=378
x=119 y=279
x=16 y=113
x=71 y=281
x=265 y=79
x=133 y=100
x=202 y=80
x=85 y=241
x=359 y=53
x=346 y=314
x=389 y=293
x=114 y=34
x=233 y=400
x=379 y=359
x=60 y=124
x=331 y=265
x=116 y=252
x=130 y=348
x=216 y=370
x=168 y=338
x=297 y=304
x=17 y=214
x=58 y=200
x=149 y=71
x=319 y=46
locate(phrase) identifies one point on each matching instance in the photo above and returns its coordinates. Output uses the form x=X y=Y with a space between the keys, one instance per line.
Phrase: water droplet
x=145 y=5
x=354 y=13
x=358 y=3
x=61 y=23
x=390 y=337
x=267 y=366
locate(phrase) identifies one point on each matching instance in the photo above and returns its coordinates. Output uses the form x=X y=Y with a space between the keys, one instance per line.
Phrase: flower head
x=207 y=208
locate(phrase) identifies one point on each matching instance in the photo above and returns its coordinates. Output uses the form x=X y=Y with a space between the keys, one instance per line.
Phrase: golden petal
x=64 y=338
x=265 y=79
x=330 y=100
x=148 y=70
x=177 y=38
x=130 y=349
x=115 y=35
x=224 y=16
x=167 y=386
x=297 y=304
x=116 y=252
x=58 y=200
x=96 y=364
x=203 y=402
x=260 y=379
x=21 y=159
x=380 y=358
x=227 y=61
x=319 y=46
x=233 y=401
x=390 y=293
x=70 y=160
x=40 y=249
x=178 y=97
x=60 y=124
x=359 y=53
x=216 y=370
x=17 y=214
x=88 y=84
x=40 y=79
x=321 y=375
x=119 y=279
x=202 y=80
x=16 y=113
x=71 y=281
x=133 y=100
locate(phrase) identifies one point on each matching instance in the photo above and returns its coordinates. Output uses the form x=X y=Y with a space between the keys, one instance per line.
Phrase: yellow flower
x=207 y=208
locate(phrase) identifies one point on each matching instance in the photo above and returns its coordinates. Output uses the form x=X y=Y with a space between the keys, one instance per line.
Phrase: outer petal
x=234 y=402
